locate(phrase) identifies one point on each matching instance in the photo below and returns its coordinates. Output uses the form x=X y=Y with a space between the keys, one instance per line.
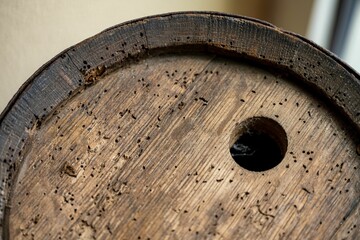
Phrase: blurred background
x=33 y=32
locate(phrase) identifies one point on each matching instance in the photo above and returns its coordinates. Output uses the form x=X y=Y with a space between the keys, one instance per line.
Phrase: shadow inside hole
x=260 y=144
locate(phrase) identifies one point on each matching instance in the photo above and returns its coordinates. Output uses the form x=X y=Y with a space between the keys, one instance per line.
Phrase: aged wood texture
x=127 y=136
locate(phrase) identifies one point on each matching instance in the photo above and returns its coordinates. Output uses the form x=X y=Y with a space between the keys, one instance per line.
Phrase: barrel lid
x=184 y=125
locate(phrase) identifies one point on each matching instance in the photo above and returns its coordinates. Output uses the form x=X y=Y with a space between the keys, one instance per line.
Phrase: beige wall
x=34 y=31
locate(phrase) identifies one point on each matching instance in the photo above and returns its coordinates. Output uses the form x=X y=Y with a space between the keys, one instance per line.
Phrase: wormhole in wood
x=258 y=144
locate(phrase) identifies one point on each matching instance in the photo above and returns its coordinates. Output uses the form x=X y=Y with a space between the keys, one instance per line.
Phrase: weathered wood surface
x=127 y=136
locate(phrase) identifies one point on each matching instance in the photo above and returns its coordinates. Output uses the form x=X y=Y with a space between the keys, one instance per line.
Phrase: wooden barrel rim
x=85 y=63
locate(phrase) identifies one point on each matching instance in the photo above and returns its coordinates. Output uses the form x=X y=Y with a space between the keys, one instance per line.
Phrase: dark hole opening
x=260 y=144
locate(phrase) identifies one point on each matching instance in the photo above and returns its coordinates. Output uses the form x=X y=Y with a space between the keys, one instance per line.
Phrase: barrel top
x=184 y=125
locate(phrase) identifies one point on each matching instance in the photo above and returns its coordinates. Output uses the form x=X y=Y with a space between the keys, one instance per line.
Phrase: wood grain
x=127 y=136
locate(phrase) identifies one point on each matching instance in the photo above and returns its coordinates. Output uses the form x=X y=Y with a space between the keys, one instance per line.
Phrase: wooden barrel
x=191 y=125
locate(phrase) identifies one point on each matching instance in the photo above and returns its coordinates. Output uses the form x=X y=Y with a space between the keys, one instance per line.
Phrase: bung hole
x=258 y=144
